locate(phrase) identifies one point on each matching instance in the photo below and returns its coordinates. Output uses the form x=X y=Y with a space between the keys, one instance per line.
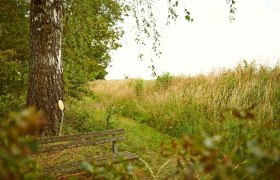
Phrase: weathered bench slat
x=57 y=143
x=115 y=158
x=80 y=136
x=75 y=167
x=81 y=143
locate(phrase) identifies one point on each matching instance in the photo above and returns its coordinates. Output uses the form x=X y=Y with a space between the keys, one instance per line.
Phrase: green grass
x=145 y=142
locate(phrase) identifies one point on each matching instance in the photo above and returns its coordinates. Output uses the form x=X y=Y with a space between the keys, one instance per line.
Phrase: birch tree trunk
x=46 y=74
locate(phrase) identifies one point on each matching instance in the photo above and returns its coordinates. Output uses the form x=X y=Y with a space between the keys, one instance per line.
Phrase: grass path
x=140 y=138
x=145 y=142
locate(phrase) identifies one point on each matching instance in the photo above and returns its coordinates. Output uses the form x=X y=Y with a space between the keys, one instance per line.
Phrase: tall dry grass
x=241 y=106
x=189 y=103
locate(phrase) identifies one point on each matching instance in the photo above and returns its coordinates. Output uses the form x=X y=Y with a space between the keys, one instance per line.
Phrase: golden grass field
x=241 y=88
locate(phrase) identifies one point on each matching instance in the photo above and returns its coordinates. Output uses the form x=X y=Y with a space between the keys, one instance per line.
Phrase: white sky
x=210 y=42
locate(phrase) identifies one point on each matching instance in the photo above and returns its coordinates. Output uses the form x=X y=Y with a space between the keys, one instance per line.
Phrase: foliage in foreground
x=16 y=147
x=109 y=171
x=14 y=160
x=249 y=159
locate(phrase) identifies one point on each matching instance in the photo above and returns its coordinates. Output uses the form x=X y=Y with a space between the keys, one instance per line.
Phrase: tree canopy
x=91 y=31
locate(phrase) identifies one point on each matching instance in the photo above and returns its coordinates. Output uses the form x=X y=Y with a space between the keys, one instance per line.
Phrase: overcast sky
x=210 y=42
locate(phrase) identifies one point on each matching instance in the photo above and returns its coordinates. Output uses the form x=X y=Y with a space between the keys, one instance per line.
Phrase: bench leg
x=114 y=147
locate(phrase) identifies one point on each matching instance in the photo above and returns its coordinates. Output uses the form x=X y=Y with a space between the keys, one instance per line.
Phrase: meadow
x=178 y=105
x=237 y=111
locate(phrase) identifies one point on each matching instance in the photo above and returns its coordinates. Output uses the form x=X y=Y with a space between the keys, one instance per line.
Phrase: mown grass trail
x=145 y=142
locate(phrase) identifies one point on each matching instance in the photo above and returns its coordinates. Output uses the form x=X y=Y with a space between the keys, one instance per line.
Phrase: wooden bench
x=59 y=143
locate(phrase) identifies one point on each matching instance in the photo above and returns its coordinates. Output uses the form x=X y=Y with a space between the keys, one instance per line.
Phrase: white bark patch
x=49 y=2
x=51 y=59
x=59 y=56
x=59 y=59
x=45 y=60
x=55 y=16
x=38 y=17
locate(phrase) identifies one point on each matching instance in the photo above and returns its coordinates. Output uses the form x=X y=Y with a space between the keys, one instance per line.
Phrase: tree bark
x=46 y=85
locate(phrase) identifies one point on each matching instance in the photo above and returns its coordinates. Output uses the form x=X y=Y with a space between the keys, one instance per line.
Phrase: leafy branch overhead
x=92 y=30
x=232 y=9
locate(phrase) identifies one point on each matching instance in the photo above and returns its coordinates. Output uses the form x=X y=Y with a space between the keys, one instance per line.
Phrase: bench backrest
x=57 y=143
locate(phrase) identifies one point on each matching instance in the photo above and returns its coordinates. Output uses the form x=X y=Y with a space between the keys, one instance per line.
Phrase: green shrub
x=80 y=118
x=139 y=86
x=164 y=80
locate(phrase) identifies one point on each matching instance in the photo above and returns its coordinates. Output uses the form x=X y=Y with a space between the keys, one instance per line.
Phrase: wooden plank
x=80 y=143
x=118 y=155
x=87 y=139
x=115 y=159
x=61 y=169
x=80 y=136
x=121 y=156
x=75 y=167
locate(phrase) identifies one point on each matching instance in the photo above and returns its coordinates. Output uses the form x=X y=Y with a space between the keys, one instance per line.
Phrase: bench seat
x=60 y=143
x=75 y=167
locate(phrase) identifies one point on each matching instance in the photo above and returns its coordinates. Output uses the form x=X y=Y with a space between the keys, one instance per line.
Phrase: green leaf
x=87 y=166
x=188 y=18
